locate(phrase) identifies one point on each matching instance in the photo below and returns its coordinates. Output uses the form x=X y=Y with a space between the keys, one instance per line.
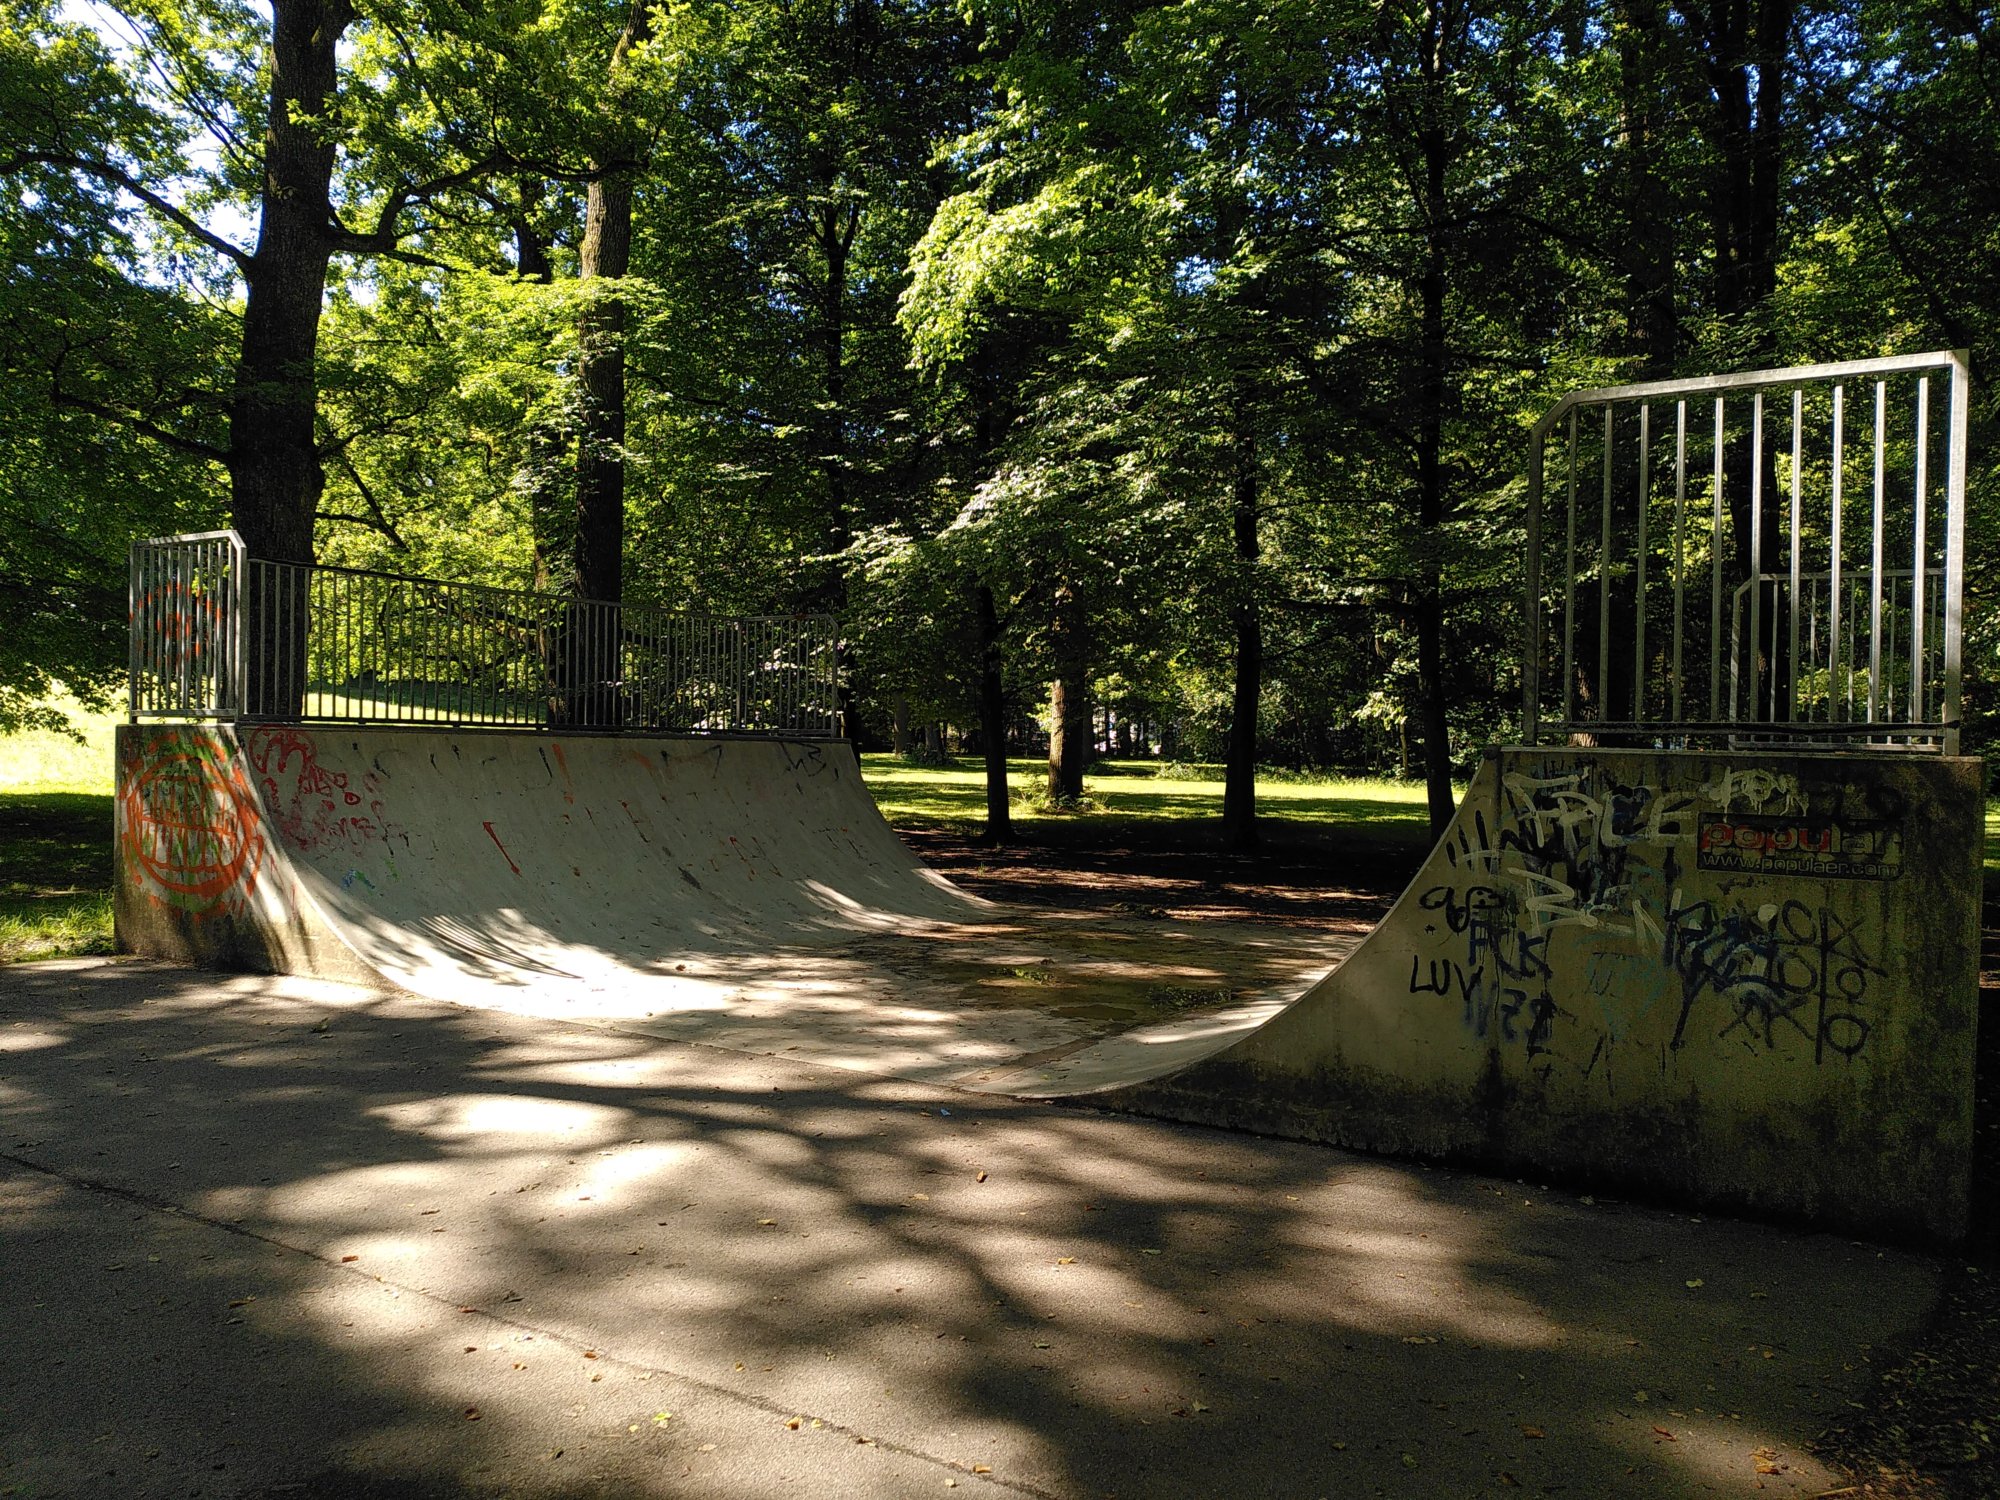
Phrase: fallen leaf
x=1665 y=1433
x=1066 y=1260
x=346 y=1258
x=1149 y=1252
x=980 y=1178
x=590 y=1354
x=472 y=1414
x=792 y=1423
x=1532 y=1432
x=982 y=1468
x=1694 y=1284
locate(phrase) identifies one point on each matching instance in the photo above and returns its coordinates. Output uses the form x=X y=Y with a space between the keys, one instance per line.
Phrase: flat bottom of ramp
x=1031 y=1003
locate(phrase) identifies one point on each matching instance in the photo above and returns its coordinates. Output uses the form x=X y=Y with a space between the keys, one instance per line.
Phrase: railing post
x=1954 y=547
x=1531 y=660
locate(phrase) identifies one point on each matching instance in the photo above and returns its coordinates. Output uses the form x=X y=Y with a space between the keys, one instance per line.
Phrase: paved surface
x=275 y=1237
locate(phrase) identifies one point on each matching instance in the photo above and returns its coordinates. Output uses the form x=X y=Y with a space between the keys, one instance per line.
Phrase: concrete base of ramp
x=740 y=892
x=1745 y=980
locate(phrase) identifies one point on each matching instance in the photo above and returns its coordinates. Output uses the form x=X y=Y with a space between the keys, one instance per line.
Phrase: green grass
x=1129 y=803
x=55 y=842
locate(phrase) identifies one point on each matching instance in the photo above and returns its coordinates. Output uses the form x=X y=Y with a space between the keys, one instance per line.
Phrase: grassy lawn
x=55 y=842
x=1130 y=803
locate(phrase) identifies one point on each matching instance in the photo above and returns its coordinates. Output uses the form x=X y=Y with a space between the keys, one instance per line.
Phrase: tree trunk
x=1239 y=785
x=1745 y=49
x=275 y=472
x=1069 y=739
x=993 y=722
x=592 y=653
x=1653 y=316
x=1431 y=501
x=1069 y=698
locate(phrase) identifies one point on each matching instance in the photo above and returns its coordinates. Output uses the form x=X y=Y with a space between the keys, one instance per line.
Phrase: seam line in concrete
x=741 y=1398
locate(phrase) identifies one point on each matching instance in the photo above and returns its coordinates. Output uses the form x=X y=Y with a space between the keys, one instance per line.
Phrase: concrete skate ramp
x=1746 y=980
x=741 y=892
x=451 y=862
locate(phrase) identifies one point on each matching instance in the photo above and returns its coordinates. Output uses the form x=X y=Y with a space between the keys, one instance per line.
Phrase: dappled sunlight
x=572 y=1230
x=486 y=1118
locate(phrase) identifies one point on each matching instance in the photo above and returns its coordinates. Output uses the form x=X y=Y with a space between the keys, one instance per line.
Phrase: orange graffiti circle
x=191 y=823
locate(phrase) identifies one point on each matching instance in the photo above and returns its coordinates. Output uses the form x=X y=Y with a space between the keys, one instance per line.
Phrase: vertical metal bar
x=1604 y=577
x=1639 y=586
x=1954 y=546
x=1834 y=665
x=1715 y=586
x=1680 y=545
x=1756 y=547
x=1875 y=552
x=1917 y=550
x=1792 y=596
x=1569 y=589
x=134 y=560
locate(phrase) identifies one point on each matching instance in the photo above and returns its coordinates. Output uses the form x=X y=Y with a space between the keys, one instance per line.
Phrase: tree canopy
x=1143 y=369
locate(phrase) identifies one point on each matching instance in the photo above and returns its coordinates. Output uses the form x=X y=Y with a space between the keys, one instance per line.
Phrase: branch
x=177 y=441
x=104 y=171
x=383 y=238
x=376 y=519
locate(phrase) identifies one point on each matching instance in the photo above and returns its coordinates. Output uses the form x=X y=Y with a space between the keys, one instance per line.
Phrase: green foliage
x=1142 y=320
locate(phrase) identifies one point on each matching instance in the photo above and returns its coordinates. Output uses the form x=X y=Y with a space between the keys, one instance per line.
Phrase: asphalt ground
x=274 y=1237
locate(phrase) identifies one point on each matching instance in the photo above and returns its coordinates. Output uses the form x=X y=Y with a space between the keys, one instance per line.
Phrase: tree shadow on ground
x=261 y=1231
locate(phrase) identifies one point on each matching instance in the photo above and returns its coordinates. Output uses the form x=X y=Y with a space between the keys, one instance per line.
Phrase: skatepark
x=603 y=1113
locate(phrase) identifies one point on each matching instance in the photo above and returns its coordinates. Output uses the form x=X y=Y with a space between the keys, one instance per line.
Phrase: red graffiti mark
x=637 y=827
x=562 y=765
x=190 y=835
x=315 y=808
x=501 y=847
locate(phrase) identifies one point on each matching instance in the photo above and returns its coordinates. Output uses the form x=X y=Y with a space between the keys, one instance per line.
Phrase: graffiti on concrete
x=190 y=836
x=315 y=807
x=1585 y=872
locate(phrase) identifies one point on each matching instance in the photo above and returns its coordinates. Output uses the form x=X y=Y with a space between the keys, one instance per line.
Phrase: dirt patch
x=1281 y=889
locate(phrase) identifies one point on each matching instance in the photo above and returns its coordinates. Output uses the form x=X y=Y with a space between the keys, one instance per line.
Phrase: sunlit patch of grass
x=37 y=761
x=1131 y=800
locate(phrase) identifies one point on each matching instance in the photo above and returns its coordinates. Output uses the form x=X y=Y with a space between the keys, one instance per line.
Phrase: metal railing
x=1748 y=559
x=216 y=634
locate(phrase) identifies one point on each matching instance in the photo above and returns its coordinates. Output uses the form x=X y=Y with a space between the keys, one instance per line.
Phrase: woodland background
x=1151 y=375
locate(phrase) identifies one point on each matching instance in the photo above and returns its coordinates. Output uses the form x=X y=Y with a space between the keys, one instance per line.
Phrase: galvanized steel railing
x=1724 y=566
x=219 y=635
